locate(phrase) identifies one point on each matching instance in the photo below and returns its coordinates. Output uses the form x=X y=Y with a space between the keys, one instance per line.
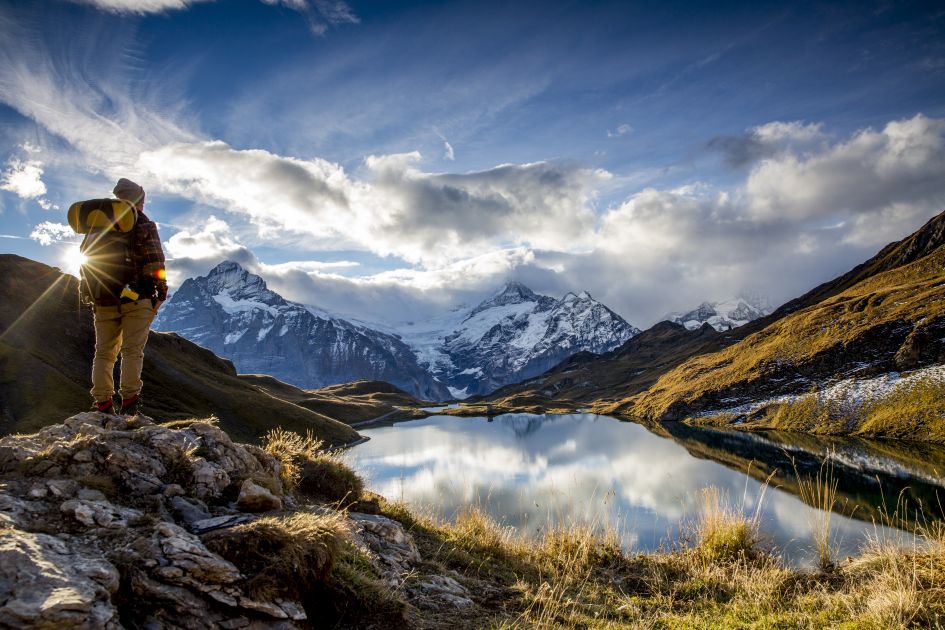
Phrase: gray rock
x=255 y=498
x=218 y=522
x=98 y=513
x=391 y=549
x=188 y=511
x=444 y=584
x=63 y=487
x=45 y=585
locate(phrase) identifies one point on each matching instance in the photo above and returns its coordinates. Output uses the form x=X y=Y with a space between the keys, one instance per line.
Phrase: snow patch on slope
x=849 y=393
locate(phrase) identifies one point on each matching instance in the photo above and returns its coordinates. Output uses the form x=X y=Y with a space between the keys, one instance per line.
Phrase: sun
x=72 y=259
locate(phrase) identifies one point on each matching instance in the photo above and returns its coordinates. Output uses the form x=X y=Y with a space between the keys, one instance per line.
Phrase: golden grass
x=311 y=470
x=820 y=492
x=577 y=576
x=723 y=532
x=285 y=556
x=916 y=409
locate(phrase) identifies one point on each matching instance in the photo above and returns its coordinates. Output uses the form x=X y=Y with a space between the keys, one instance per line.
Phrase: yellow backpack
x=118 y=215
x=109 y=266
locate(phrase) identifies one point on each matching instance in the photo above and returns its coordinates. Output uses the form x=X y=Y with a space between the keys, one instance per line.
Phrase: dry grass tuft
x=723 y=532
x=328 y=478
x=285 y=556
x=820 y=492
x=292 y=450
x=311 y=470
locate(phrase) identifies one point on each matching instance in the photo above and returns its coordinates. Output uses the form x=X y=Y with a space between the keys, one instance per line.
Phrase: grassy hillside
x=627 y=370
x=917 y=245
x=894 y=320
x=46 y=347
x=351 y=403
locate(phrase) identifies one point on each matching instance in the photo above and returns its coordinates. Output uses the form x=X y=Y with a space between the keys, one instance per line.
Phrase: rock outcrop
x=98 y=519
x=112 y=522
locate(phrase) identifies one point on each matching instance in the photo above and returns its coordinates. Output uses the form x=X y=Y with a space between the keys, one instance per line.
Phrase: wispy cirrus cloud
x=620 y=130
x=319 y=14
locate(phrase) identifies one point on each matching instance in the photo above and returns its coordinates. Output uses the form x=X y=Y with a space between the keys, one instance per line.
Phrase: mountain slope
x=46 y=347
x=353 y=403
x=920 y=243
x=233 y=313
x=586 y=378
x=513 y=335
x=894 y=320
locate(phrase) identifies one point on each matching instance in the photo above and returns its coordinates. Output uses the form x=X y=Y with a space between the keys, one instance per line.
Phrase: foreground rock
x=95 y=519
x=110 y=522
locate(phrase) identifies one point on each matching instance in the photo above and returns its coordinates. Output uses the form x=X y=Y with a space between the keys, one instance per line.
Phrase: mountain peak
x=230 y=275
x=513 y=288
x=227 y=266
x=512 y=293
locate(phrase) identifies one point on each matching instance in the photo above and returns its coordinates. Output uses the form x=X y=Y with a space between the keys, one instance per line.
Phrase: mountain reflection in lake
x=529 y=470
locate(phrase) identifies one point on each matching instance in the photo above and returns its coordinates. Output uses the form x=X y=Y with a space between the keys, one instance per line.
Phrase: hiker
x=125 y=282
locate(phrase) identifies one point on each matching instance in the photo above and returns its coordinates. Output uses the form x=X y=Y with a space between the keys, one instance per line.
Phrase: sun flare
x=72 y=260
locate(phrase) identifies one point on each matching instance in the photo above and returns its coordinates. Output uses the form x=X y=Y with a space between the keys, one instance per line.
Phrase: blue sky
x=392 y=159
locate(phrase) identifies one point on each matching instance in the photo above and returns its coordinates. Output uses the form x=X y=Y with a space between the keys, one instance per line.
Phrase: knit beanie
x=130 y=191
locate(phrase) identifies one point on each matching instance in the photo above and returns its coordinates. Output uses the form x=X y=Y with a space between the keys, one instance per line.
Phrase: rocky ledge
x=110 y=522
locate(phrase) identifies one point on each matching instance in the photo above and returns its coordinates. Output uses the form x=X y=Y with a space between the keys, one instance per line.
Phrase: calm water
x=528 y=470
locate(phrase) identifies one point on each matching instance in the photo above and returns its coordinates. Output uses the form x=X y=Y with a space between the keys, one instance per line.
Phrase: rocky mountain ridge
x=233 y=313
x=512 y=335
x=724 y=315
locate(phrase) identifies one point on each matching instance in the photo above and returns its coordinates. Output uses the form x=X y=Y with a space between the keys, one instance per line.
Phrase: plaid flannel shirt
x=149 y=258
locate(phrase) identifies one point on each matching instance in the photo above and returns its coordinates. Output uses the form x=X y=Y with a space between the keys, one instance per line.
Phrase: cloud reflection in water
x=528 y=470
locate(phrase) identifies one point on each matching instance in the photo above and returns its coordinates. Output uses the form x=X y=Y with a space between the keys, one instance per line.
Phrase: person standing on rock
x=125 y=281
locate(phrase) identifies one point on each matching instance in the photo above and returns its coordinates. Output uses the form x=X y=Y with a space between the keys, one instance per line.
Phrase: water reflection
x=528 y=470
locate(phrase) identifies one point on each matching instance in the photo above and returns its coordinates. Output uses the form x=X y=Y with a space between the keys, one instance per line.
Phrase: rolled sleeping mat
x=102 y=214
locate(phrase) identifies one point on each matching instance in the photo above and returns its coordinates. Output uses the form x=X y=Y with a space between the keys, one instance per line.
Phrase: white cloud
x=449 y=154
x=396 y=210
x=195 y=250
x=47 y=233
x=24 y=178
x=781 y=131
x=320 y=14
x=621 y=130
x=896 y=172
x=140 y=6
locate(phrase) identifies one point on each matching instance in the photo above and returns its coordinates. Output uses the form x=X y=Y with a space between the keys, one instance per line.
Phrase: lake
x=529 y=470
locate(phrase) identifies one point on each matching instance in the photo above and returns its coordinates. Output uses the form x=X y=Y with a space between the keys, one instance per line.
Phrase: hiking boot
x=104 y=406
x=129 y=406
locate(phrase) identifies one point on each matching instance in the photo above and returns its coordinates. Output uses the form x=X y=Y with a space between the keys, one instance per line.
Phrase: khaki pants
x=127 y=331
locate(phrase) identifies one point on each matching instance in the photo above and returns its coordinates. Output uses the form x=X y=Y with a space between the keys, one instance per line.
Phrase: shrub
x=329 y=479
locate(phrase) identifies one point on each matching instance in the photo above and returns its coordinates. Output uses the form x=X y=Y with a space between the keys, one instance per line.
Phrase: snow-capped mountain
x=725 y=314
x=511 y=336
x=233 y=313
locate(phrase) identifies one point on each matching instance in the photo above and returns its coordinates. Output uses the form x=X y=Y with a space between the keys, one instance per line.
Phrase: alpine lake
x=531 y=472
